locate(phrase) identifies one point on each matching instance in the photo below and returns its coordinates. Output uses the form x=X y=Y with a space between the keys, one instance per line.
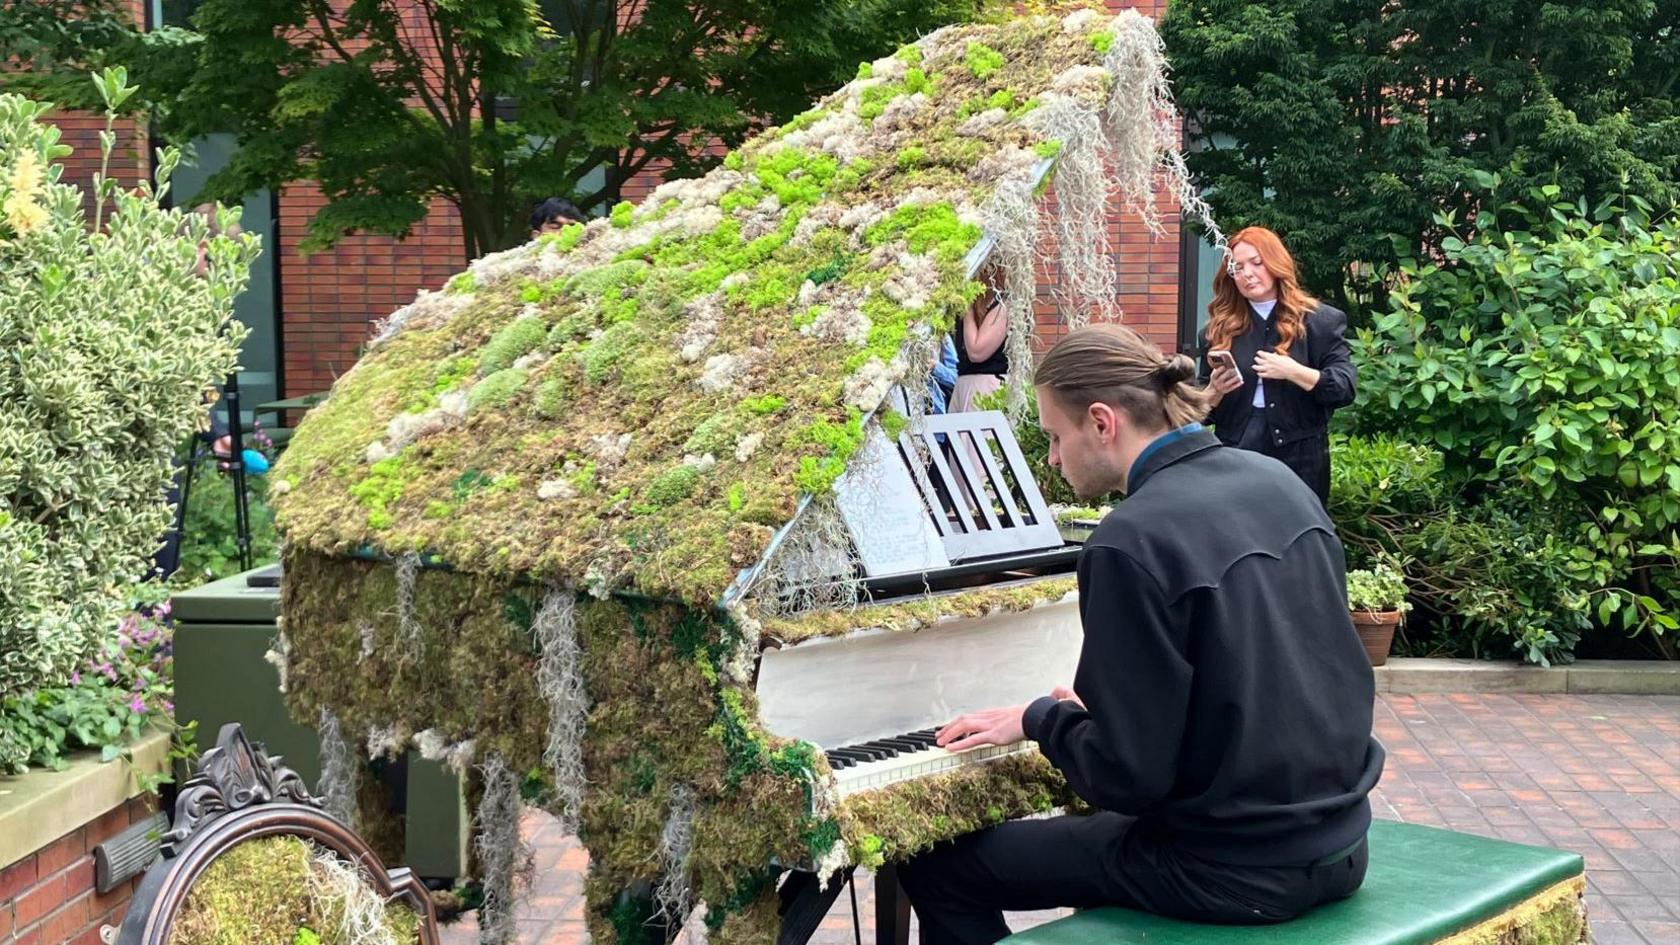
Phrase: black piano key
x=854 y=754
x=838 y=761
x=924 y=739
x=902 y=744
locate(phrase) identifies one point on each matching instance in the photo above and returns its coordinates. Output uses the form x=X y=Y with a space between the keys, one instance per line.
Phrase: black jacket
x=1228 y=699
x=1298 y=421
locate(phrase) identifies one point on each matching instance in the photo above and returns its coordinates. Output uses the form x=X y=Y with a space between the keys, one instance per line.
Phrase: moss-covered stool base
x=1423 y=886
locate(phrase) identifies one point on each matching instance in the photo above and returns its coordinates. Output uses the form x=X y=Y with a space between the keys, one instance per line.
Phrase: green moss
x=601 y=356
x=715 y=435
x=910 y=54
x=765 y=404
x=836 y=442
x=382 y=488
x=865 y=70
x=260 y=891
x=461 y=283
x=621 y=214
x=931 y=227
x=674 y=485
x=982 y=60
x=1102 y=42
x=550 y=399
x=910 y=157
x=617 y=276
x=798 y=178
x=519 y=337
x=496 y=389
x=915 y=80
x=1048 y=149
x=892 y=423
x=733 y=160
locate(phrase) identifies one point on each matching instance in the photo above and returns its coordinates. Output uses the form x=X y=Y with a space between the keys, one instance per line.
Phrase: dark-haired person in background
x=1276 y=358
x=553 y=215
x=1222 y=722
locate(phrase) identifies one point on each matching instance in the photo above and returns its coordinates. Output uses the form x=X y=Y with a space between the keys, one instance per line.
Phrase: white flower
x=702 y=462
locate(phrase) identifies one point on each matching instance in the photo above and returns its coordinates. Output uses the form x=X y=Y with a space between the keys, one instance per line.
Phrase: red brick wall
x=328 y=299
x=48 y=897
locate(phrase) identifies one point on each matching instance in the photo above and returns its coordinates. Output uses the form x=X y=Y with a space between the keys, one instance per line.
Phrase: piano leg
x=803 y=905
x=892 y=908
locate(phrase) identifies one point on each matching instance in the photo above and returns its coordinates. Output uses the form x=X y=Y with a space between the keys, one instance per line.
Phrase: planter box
x=50 y=822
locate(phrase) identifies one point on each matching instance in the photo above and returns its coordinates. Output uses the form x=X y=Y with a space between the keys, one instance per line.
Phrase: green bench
x=1423 y=886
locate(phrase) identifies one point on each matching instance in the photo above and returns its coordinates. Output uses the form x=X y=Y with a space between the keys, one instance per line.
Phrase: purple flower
x=75 y=679
x=137 y=705
x=168 y=706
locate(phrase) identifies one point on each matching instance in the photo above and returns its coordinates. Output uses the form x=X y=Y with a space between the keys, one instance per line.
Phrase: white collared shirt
x=1264 y=310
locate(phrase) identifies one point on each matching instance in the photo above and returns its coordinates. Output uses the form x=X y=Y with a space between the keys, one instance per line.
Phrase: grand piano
x=644 y=522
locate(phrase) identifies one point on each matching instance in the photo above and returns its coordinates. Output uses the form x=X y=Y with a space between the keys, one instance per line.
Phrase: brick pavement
x=1599 y=775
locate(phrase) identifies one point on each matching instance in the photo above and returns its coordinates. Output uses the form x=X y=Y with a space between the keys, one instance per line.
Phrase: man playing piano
x=1222 y=723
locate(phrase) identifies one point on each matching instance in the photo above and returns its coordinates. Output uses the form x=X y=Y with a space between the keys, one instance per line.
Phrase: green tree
x=1348 y=125
x=52 y=47
x=491 y=104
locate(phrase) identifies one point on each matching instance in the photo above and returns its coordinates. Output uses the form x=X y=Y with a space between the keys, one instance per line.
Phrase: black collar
x=1187 y=445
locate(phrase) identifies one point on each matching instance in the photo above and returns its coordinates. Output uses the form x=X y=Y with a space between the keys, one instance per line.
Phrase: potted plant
x=1376 y=602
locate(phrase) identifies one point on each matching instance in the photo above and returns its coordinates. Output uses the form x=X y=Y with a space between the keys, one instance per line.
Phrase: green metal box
x=223 y=630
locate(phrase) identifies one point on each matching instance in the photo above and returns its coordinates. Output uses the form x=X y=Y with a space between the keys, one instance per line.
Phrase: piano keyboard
x=883 y=761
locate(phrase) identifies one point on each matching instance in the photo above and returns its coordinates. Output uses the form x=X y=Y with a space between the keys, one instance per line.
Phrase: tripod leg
x=236 y=468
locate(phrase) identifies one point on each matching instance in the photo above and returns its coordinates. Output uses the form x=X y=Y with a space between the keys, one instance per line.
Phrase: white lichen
x=747 y=445
x=408 y=622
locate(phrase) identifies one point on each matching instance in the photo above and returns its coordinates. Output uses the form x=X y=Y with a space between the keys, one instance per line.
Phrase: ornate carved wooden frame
x=241 y=793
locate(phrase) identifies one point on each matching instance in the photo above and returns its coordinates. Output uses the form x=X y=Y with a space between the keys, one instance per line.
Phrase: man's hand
x=1000 y=726
x=1066 y=694
x=1282 y=367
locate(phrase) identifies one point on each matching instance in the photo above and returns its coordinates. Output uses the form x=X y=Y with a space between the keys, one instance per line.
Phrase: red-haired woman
x=1277 y=360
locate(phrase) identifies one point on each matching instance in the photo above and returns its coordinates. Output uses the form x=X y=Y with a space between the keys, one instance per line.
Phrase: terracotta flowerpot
x=1376 y=632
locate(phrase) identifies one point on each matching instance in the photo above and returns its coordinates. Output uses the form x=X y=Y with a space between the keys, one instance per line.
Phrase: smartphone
x=1223 y=358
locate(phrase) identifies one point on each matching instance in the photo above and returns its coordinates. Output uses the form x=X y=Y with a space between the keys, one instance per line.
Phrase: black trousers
x=1308 y=457
x=961 y=888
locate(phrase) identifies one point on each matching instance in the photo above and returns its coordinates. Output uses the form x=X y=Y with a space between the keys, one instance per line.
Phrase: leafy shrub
x=1548 y=360
x=110 y=699
x=110 y=336
x=1493 y=576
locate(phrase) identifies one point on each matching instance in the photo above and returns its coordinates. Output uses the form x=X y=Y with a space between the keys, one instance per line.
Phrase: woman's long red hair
x=1228 y=312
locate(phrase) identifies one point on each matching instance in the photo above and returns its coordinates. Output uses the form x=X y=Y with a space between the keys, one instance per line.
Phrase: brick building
x=309 y=314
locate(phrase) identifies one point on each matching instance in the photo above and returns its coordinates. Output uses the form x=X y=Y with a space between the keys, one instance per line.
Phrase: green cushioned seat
x=1423 y=885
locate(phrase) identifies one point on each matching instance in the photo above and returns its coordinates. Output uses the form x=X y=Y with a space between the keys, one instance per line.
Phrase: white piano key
x=907 y=766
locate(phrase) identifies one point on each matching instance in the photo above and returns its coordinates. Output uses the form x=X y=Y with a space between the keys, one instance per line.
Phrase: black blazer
x=1298 y=421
